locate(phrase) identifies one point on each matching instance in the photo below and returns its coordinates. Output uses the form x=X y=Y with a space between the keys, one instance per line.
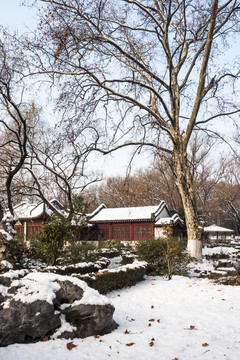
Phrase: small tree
x=174 y=251
x=61 y=229
x=164 y=255
x=50 y=241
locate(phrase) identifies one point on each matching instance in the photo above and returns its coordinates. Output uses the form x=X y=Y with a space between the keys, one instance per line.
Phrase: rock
x=33 y=305
x=89 y=320
x=229 y=271
x=215 y=274
x=27 y=322
x=68 y=293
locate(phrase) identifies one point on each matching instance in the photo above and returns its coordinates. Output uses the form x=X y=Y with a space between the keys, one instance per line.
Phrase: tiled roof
x=26 y=210
x=169 y=220
x=128 y=213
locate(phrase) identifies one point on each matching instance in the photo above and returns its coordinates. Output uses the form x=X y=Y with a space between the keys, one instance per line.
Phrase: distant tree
x=227 y=199
x=145 y=187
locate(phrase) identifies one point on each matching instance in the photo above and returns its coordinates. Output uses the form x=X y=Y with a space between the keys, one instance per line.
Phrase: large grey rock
x=89 y=320
x=27 y=322
x=33 y=306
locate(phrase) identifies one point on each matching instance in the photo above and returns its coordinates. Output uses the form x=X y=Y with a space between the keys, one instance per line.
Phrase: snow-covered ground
x=183 y=319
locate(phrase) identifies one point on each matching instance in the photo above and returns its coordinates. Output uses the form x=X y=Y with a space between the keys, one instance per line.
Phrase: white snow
x=7 y=264
x=216 y=228
x=185 y=319
x=218 y=250
x=136 y=264
x=65 y=326
x=130 y=213
x=8 y=236
x=133 y=213
x=169 y=220
x=14 y=274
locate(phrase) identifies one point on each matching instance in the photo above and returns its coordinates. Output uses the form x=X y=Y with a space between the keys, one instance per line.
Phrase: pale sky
x=15 y=16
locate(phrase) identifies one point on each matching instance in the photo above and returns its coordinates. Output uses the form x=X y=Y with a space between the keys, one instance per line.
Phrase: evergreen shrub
x=76 y=252
x=163 y=255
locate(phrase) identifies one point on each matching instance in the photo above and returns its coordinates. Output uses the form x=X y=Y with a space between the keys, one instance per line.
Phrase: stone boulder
x=27 y=322
x=35 y=305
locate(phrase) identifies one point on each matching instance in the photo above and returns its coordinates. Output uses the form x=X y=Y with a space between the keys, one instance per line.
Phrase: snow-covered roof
x=96 y=211
x=169 y=220
x=26 y=210
x=128 y=213
x=216 y=228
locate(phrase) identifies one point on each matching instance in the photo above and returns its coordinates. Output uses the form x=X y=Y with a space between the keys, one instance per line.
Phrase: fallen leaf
x=220 y=290
x=176 y=359
x=152 y=320
x=127 y=331
x=130 y=344
x=152 y=339
x=223 y=299
x=70 y=346
x=149 y=324
x=152 y=307
x=151 y=343
x=97 y=336
x=158 y=320
x=191 y=327
x=45 y=338
x=205 y=344
x=152 y=284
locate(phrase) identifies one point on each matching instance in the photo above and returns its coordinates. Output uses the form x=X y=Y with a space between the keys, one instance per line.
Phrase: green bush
x=77 y=252
x=16 y=252
x=152 y=251
x=127 y=259
x=48 y=244
x=164 y=255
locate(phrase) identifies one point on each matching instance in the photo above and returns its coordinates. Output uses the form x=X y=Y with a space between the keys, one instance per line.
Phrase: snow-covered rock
x=36 y=304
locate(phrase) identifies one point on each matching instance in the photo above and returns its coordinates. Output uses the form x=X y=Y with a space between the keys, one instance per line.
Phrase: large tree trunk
x=191 y=217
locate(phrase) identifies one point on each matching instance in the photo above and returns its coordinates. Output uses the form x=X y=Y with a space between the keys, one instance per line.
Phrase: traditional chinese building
x=31 y=217
x=134 y=223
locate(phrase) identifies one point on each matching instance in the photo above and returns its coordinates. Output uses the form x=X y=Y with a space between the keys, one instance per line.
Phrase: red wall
x=125 y=231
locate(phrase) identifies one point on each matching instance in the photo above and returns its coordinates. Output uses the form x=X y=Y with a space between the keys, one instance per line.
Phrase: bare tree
x=13 y=127
x=151 y=67
x=55 y=167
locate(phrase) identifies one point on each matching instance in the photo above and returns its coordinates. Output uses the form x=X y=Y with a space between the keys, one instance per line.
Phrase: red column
x=131 y=232
x=110 y=232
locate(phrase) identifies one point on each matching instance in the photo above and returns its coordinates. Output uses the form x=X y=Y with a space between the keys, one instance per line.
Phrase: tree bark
x=184 y=181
